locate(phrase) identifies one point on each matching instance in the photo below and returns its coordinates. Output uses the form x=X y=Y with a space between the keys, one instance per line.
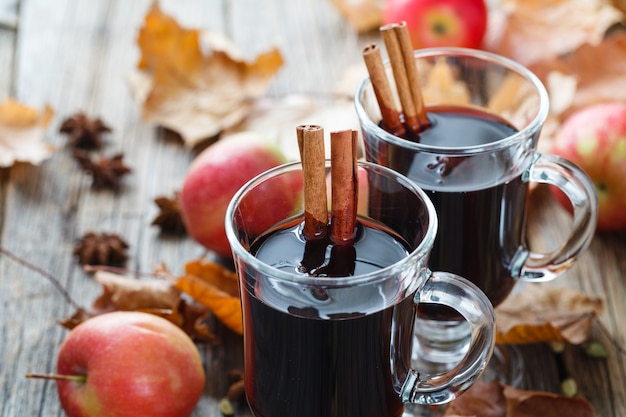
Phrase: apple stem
x=59 y=377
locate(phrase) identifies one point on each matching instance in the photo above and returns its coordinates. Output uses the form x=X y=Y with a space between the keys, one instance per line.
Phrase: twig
x=43 y=273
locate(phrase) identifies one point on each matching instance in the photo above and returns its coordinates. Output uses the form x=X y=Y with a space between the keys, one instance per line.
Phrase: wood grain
x=77 y=55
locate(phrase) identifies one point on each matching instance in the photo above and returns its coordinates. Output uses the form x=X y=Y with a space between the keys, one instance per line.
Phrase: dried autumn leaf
x=276 y=118
x=493 y=399
x=120 y=293
x=196 y=94
x=539 y=313
x=21 y=134
x=361 y=15
x=191 y=318
x=598 y=70
x=530 y=31
x=214 y=286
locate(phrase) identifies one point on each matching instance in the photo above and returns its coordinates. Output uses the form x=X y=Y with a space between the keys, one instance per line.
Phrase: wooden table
x=75 y=56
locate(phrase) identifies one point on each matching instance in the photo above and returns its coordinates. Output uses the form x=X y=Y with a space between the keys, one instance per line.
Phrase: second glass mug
x=480 y=186
x=341 y=346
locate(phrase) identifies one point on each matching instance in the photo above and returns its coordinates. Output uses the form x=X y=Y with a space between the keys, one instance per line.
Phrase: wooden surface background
x=76 y=55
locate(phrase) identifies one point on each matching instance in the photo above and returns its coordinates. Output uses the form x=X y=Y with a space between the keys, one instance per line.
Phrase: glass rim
x=526 y=132
x=382 y=274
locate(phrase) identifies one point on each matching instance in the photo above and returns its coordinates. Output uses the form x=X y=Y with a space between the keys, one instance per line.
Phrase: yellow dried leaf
x=442 y=86
x=214 y=274
x=194 y=93
x=538 y=313
x=530 y=31
x=21 y=133
x=210 y=284
x=361 y=15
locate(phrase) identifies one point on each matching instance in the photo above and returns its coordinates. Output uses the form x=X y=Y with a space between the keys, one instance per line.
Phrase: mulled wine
x=310 y=359
x=480 y=200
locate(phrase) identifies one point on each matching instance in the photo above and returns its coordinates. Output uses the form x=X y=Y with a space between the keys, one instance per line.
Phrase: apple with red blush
x=594 y=138
x=128 y=364
x=435 y=23
x=214 y=177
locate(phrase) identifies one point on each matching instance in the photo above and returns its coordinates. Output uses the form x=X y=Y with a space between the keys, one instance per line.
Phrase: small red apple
x=594 y=138
x=214 y=177
x=433 y=23
x=129 y=364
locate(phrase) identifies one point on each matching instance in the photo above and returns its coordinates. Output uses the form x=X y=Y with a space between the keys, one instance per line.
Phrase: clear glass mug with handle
x=319 y=346
x=476 y=162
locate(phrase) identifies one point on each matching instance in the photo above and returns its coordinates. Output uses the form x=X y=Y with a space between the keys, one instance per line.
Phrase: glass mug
x=341 y=346
x=478 y=171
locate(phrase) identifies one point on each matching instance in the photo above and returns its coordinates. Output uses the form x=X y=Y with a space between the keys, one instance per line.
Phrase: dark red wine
x=480 y=200
x=310 y=360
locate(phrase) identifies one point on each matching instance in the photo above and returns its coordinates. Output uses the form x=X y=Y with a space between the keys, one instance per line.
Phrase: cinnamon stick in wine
x=311 y=146
x=406 y=48
x=391 y=119
x=343 y=187
x=400 y=76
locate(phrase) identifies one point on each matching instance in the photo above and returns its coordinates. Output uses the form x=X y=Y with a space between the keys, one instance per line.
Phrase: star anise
x=106 y=172
x=101 y=249
x=84 y=132
x=169 y=218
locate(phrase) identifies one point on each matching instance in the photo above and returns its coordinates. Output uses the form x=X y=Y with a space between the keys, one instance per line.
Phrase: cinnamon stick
x=391 y=119
x=401 y=77
x=406 y=48
x=311 y=146
x=343 y=187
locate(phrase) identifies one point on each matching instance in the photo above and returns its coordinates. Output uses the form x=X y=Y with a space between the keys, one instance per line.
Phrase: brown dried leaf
x=598 y=71
x=122 y=293
x=21 y=134
x=492 y=399
x=191 y=318
x=544 y=404
x=214 y=286
x=538 y=313
x=530 y=31
x=195 y=94
x=361 y=15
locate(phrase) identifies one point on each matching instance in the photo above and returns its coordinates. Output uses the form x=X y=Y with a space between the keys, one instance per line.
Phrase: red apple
x=432 y=23
x=215 y=176
x=594 y=138
x=129 y=364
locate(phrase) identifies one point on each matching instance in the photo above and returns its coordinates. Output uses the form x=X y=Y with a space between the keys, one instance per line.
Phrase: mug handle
x=461 y=295
x=578 y=187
